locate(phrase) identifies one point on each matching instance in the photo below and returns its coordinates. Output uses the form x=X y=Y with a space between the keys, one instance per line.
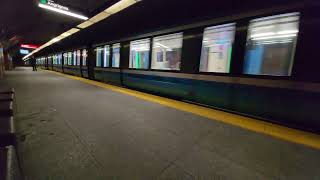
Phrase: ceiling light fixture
x=44 y=6
x=119 y=6
x=85 y=24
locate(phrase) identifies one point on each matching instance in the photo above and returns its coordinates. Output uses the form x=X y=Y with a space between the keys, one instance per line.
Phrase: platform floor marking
x=274 y=130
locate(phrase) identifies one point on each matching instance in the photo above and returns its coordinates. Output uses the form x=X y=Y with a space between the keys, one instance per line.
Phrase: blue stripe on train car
x=173 y=87
x=290 y=107
x=57 y=68
x=72 y=70
x=85 y=73
x=107 y=76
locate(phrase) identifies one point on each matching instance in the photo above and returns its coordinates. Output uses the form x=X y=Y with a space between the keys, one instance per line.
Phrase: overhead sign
x=29 y=46
x=24 y=51
x=53 y=4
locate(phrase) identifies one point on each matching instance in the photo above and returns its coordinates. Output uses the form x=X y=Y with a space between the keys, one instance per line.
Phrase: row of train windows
x=270 y=48
x=103 y=56
x=74 y=58
x=70 y=58
x=41 y=61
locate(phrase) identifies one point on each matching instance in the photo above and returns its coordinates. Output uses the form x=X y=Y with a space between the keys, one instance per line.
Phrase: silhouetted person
x=33 y=64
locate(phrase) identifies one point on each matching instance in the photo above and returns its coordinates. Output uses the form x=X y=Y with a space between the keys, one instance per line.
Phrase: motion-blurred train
x=262 y=63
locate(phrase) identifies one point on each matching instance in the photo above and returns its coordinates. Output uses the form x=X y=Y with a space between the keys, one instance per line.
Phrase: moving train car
x=255 y=64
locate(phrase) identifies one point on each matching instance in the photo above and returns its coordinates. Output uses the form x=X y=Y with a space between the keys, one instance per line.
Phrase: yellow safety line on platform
x=278 y=131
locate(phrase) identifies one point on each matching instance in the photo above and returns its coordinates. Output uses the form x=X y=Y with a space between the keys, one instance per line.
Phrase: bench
x=7 y=131
x=6 y=90
x=7 y=97
x=9 y=166
x=6 y=108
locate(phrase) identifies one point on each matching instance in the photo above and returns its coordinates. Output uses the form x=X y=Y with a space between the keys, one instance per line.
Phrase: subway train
x=261 y=64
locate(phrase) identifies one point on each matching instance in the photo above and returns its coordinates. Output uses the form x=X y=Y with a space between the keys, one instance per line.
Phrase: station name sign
x=53 y=4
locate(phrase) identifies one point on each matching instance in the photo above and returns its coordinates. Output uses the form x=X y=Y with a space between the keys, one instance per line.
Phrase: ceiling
x=28 y=23
x=23 y=19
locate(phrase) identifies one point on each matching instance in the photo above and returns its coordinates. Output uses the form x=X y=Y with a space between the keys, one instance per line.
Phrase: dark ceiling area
x=23 y=19
x=30 y=24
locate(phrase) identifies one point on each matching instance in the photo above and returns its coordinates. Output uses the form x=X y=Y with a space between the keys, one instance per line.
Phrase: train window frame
x=293 y=54
x=53 y=59
x=84 y=54
x=149 y=39
x=65 y=59
x=104 y=56
x=78 y=60
x=74 y=58
x=56 y=59
x=60 y=59
x=113 y=45
x=99 y=48
x=232 y=24
x=152 y=47
x=70 y=58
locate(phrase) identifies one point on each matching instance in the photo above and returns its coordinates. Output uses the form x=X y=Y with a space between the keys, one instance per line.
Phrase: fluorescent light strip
x=52 y=41
x=119 y=6
x=271 y=37
x=85 y=24
x=99 y=17
x=288 y=32
x=65 y=34
x=263 y=34
x=63 y=11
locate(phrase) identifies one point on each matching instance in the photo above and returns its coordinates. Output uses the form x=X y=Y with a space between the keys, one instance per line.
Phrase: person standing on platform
x=33 y=64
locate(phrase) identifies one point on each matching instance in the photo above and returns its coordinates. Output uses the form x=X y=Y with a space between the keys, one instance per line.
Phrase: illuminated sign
x=24 y=51
x=55 y=5
x=52 y=6
x=29 y=46
x=43 y=1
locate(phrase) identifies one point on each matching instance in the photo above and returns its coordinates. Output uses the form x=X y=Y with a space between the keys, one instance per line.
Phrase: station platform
x=72 y=128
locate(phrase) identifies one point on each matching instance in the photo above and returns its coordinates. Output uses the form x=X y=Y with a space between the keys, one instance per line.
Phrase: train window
x=69 y=58
x=74 y=58
x=49 y=60
x=78 y=57
x=166 y=52
x=59 y=59
x=106 y=56
x=271 y=45
x=55 y=59
x=84 y=57
x=217 y=48
x=139 y=54
x=116 y=55
x=99 y=56
x=65 y=58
